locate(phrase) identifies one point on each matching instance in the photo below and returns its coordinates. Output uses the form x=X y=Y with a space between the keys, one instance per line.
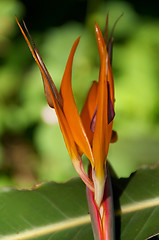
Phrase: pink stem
x=102 y=218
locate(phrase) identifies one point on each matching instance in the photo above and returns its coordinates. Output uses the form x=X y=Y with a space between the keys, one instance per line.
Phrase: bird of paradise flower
x=90 y=132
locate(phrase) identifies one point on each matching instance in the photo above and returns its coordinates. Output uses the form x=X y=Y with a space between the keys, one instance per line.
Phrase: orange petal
x=101 y=137
x=70 y=109
x=89 y=109
x=101 y=127
x=71 y=146
x=101 y=134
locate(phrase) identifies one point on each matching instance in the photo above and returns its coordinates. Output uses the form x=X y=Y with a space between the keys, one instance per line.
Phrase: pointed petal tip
x=100 y=42
x=96 y=24
x=70 y=109
x=16 y=19
x=97 y=30
x=77 y=41
x=96 y=27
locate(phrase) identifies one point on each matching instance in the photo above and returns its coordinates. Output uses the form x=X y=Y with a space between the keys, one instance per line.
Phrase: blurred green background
x=31 y=145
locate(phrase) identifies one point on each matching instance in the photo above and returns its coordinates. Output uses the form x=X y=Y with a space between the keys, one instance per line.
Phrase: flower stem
x=102 y=218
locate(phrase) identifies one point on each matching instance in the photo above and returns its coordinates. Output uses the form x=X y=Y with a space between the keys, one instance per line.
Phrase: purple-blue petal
x=93 y=122
x=111 y=112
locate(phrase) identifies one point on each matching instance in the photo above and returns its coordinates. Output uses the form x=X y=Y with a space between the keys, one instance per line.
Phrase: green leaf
x=59 y=211
x=139 y=203
x=50 y=211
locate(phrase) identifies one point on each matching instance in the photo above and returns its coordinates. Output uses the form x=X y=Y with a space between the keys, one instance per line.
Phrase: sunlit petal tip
x=100 y=40
x=97 y=29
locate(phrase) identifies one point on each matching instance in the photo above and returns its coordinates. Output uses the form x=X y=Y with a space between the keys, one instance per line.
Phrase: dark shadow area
x=118 y=186
x=53 y=13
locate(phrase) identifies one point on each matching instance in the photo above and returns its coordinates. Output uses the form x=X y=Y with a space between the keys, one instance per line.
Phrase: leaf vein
x=53 y=205
x=141 y=230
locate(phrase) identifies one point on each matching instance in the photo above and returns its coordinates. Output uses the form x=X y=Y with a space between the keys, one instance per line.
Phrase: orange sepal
x=45 y=74
x=70 y=109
